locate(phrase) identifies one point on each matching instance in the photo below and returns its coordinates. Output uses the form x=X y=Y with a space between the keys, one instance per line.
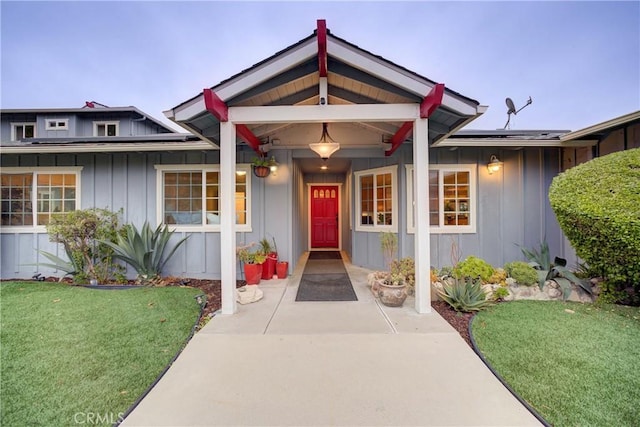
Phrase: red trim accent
x=215 y=105
x=432 y=101
x=89 y=104
x=245 y=133
x=322 y=47
x=399 y=137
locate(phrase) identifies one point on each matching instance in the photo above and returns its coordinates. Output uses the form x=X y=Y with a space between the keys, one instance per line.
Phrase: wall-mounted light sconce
x=273 y=167
x=241 y=173
x=494 y=165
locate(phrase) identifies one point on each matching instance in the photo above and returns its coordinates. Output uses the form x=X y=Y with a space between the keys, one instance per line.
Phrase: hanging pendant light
x=326 y=146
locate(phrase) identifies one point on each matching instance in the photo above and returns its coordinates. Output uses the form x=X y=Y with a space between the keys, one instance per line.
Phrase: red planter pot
x=252 y=273
x=269 y=266
x=282 y=269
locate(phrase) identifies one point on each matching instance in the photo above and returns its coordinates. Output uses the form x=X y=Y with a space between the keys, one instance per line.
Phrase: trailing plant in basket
x=145 y=250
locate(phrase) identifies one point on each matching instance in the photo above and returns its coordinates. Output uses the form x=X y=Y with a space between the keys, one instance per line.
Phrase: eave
x=609 y=124
x=515 y=142
x=108 y=148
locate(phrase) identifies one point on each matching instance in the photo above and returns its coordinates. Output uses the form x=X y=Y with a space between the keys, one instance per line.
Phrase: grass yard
x=72 y=355
x=576 y=364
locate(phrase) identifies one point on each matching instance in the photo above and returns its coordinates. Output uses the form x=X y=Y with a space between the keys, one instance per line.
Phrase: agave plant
x=145 y=250
x=464 y=295
x=71 y=268
x=557 y=271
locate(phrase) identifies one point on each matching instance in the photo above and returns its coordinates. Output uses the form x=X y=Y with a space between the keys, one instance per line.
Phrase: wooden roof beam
x=428 y=105
x=219 y=109
x=322 y=47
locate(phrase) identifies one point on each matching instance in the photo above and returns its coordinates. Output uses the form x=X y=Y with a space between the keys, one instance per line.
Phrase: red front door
x=324 y=216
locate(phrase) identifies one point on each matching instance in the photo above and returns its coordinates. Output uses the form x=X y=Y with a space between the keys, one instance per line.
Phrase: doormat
x=324 y=255
x=325 y=287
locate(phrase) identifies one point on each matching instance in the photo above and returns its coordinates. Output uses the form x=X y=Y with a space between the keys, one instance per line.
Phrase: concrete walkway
x=279 y=362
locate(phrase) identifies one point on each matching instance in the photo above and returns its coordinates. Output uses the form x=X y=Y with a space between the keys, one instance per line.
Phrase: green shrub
x=145 y=250
x=464 y=295
x=474 y=267
x=500 y=294
x=521 y=272
x=81 y=233
x=598 y=207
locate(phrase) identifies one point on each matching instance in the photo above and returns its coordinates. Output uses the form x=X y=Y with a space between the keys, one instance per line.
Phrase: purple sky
x=579 y=61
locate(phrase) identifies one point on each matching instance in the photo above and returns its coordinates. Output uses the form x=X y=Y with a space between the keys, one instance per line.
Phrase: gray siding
x=127 y=181
x=512 y=209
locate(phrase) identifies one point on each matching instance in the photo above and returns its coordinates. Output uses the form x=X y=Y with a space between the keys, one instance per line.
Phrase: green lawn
x=575 y=369
x=72 y=355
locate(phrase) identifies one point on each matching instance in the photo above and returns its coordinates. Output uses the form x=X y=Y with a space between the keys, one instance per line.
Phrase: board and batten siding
x=127 y=181
x=512 y=208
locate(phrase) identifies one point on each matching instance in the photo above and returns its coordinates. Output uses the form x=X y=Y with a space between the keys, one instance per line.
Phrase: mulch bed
x=211 y=288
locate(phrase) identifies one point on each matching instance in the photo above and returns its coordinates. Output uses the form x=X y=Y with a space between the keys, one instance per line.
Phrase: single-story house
x=362 y=146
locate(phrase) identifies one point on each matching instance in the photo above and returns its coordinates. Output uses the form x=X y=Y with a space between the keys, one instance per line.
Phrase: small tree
x=80 y=232
x=389 y=246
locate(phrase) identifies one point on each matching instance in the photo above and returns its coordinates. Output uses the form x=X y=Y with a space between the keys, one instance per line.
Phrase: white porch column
x=227 y=216
x=422 y=245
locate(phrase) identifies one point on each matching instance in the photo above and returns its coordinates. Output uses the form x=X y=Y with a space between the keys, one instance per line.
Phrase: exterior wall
x=512 y=207
x=127 y=181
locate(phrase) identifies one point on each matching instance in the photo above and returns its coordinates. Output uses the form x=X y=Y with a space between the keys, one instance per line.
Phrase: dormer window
x=105 y=128
x=57 y=124
x=20 y=131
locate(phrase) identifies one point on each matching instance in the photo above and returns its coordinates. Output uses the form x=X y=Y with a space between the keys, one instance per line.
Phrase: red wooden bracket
x=432 y=101
x=322 y=47
x=219 y=109
x=215 y=105
x=399 y=137
x=245 y=133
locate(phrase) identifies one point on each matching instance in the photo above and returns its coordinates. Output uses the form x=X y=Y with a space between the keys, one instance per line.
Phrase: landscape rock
x=248 y=294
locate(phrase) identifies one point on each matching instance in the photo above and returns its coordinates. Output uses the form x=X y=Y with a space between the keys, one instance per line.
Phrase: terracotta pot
x=261 y=171
x=392 y=296
x=282 y=269
x=252 y=273
x=269 y=266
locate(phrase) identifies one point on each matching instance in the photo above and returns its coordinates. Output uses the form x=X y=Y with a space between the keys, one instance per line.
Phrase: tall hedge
x=598 y=207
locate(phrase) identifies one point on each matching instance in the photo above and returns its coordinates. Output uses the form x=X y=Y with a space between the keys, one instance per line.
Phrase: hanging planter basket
x=261 y=171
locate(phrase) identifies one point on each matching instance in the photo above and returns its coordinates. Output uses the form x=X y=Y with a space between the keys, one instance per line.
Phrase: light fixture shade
x=326 y=146
x=325 y=149
x=494 y=165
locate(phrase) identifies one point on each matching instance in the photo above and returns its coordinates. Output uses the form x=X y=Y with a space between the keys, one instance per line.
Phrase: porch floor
x=282 y=362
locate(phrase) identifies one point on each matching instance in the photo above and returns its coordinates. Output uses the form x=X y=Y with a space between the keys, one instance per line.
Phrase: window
x=376 y=199
x=105 y=128
x=452 y=199
x=20 y=131
x=57 y=124
x=29 y=198
x=189 y=196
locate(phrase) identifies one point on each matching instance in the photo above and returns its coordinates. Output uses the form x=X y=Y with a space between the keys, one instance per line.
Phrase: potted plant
x=392 y=290
x=282 y=269
x=271 y=254
x=262 y=166
x=391 y=286
x=252 y=264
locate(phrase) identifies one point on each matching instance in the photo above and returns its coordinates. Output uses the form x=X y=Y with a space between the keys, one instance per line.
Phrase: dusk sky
x=579 y=61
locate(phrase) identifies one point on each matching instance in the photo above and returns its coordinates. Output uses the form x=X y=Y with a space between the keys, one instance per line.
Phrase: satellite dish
x=511 y=106
x=511 y=109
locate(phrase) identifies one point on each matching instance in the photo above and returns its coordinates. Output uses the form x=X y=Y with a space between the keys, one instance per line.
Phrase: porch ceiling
x=296 y=80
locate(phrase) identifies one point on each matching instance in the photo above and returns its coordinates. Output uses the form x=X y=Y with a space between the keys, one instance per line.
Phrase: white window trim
x=473 y=197
x=106 y=123
x=15 y=124
x=375 y=228
x=160 y=169
x=56 y=122
x=34 y=194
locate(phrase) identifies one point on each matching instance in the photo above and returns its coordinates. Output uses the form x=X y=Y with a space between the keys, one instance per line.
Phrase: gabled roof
x=354 y=76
